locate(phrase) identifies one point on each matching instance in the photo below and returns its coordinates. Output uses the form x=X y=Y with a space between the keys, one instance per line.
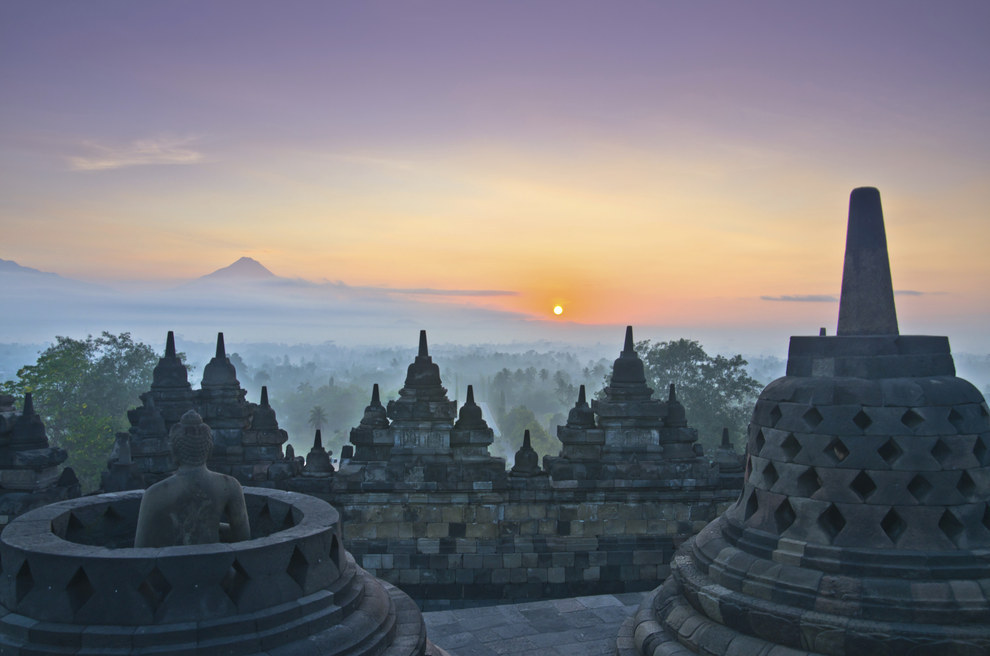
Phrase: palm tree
x=317 y=417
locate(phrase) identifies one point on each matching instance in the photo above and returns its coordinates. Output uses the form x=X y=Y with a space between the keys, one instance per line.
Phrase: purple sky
x=713 y=143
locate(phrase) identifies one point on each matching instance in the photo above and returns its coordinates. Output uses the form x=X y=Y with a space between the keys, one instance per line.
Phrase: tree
x=82 y=390
x=517 y=421
x=317 y=417
x=716 y=391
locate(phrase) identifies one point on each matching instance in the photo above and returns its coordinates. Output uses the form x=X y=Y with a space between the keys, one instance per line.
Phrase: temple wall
x=458 y=548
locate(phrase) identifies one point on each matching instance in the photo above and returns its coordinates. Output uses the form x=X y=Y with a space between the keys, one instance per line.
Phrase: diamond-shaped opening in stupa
x=957 y=420
x=809 y=482
x=752 y=505
x=79 y=589
x=154 y=588
x=893 y=526
x=759 y=442
x=941 y=450
x=235 y=581
x=775 y=415
x=863 y=485
x=951 y=526
x=812 y=417
x=790 y=446
x=335 y=551
x=770 y=475
x=298 y=567
x=832 y=522
x=862 y=420
x=912 y=419
x=890 y=451
x=23 y=581
x=920 y=488
x=980 y=452
x=784 y=516
x=837 y=450
x=966 y=485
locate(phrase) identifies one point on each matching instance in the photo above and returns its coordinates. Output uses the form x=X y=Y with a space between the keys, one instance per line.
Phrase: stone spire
x=170 y=372
x=628 y=399
x=370 y=438
x=676 y=417
x=423 y=374
x=679 y=441
x=470 y=414
x=29 y=467
x=471 y=435
x=628 y=377
x=219 y=372
x=375 y=415
x=29 y=430
x=173 y=396
x=318 y=460
x=866 y=305
x=263 y=417
x=864 y=520
x=581 y=415
x=423 y=392
x=527 y=460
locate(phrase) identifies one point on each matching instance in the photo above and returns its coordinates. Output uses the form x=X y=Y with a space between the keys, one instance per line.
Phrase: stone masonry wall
x=462 y=548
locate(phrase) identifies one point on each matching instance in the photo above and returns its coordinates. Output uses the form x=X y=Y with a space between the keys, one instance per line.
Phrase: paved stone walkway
x=581 y=626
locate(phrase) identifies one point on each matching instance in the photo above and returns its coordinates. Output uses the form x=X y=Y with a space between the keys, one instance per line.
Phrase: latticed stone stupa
x=864 y=523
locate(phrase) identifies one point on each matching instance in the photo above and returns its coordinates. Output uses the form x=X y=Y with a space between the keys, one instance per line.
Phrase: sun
x=558 y=310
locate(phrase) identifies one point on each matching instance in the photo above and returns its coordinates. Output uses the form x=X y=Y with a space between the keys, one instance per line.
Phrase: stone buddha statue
x=187 y=507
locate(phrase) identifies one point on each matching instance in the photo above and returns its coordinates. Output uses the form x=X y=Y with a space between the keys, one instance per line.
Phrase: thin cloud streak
x=141 y=152
x=914 y=292
x=802 y=298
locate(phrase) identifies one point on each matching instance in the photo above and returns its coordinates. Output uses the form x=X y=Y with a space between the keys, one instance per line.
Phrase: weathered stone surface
x=864 y=522
x=289 y=590
x=29 y=468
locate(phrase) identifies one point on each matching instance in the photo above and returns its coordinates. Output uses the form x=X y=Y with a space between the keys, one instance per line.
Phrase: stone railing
x=292 y=581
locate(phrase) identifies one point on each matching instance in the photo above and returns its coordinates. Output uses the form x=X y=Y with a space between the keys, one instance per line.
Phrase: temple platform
x=578 y=626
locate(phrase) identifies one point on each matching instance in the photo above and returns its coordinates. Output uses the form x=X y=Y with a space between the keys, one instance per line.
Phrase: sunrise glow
x=681 y=173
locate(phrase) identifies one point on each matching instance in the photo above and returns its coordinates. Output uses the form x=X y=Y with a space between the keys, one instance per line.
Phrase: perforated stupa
x=864 y=522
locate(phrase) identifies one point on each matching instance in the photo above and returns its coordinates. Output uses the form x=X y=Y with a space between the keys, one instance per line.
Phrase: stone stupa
x=863 y=527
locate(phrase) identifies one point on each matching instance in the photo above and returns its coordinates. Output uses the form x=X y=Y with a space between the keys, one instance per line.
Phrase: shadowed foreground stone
x=72 y=584
x=863 y=527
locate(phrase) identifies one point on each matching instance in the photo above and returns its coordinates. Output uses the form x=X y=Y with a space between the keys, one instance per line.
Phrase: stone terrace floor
x=580 y=626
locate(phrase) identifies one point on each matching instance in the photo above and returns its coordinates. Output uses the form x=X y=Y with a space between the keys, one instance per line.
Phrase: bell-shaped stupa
x=863 y=526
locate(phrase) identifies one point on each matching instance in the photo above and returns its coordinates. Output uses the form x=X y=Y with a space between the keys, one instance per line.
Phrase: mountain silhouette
x=244 y=269
x=9 y=266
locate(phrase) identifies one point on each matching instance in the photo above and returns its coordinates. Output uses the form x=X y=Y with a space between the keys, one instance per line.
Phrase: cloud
x=156 y=150
x=914 y=292
x=803 y=298
x=449 y=292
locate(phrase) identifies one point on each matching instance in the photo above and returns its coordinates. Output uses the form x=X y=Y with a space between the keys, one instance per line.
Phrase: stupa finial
x=582 y=399
x=866 y=304
x=318 y=439
x=221 y=349
x=375 y=395
x=628 y=347
x=264 y=396
x=470 y=395
x=170 y=345
x=424 y=351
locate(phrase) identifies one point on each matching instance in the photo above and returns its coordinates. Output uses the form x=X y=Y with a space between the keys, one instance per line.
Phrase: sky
x=683 y=166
